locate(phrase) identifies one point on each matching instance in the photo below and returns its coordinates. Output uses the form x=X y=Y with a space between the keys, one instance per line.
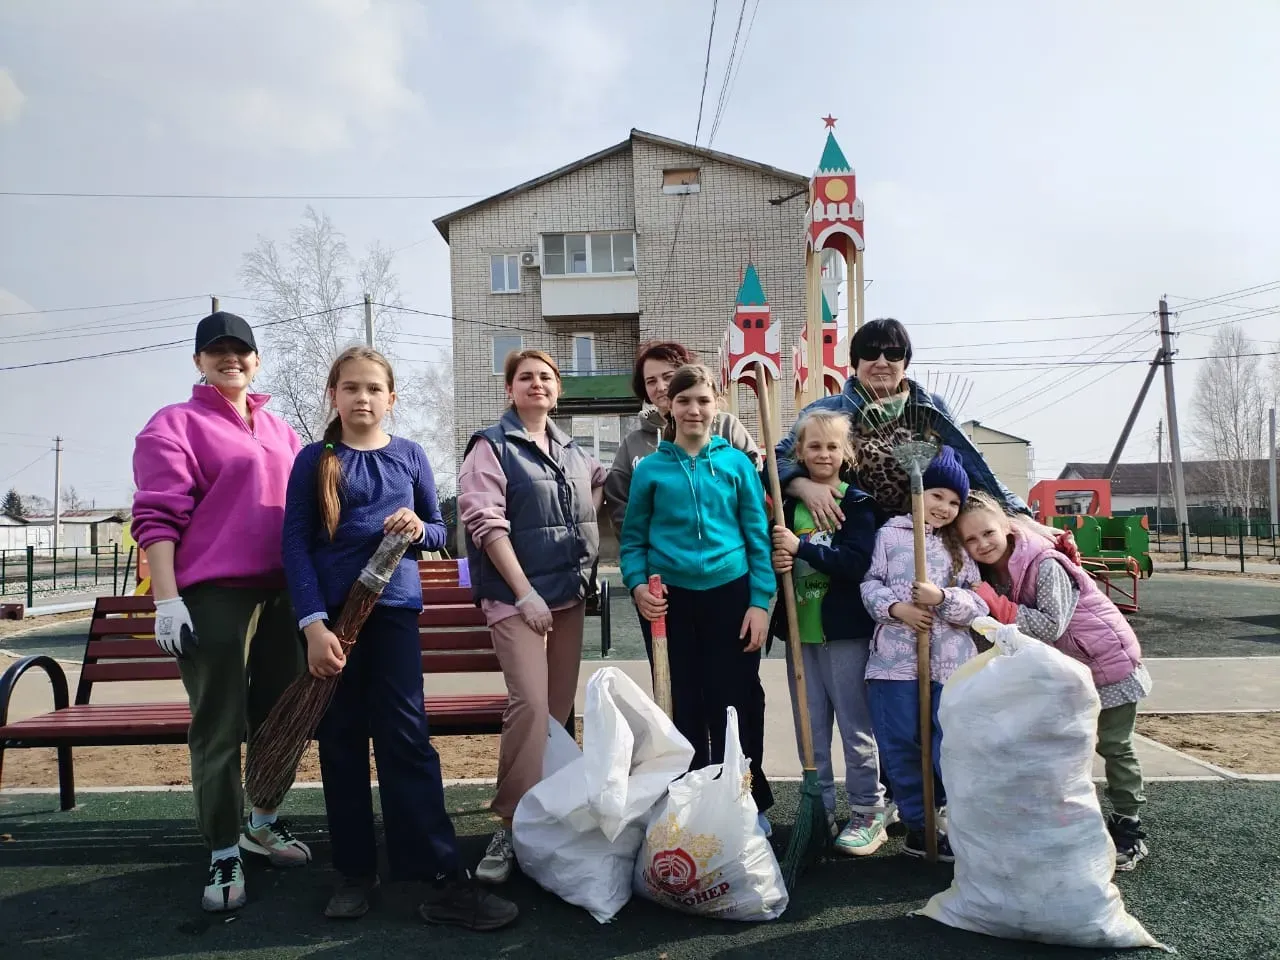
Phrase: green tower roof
x=833 y=160
x=827 y=315
x=751 y=294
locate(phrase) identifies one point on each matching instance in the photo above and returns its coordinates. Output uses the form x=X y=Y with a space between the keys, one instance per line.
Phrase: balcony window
x=582 y=253
x=584 y=353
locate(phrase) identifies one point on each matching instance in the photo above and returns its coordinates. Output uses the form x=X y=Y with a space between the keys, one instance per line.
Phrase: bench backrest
x=122 y=646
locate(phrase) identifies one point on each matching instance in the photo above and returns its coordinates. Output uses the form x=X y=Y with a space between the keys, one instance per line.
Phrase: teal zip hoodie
x=698 y=522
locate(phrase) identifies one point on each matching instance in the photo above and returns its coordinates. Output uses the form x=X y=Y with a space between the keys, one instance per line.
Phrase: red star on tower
x=830 y=121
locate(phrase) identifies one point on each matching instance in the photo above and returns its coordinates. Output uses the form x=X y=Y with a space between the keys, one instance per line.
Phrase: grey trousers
x=837 y=691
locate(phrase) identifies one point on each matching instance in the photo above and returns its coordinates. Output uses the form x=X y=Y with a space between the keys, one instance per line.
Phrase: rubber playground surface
x=119 y=877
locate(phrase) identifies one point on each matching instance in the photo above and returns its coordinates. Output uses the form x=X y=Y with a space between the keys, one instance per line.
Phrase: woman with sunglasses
x=876 y=397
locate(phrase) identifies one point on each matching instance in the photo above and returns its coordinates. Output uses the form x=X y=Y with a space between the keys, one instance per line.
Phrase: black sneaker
x=350 y=899
x=1130 y=840
x=464 y=903
x=914 y=846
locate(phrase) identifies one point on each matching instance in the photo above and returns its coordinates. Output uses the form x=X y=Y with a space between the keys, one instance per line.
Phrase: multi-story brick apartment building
x=645 y=239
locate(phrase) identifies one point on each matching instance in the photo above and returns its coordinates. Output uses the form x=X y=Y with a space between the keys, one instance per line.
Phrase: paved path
x=1180 y=685
x=1228 y=566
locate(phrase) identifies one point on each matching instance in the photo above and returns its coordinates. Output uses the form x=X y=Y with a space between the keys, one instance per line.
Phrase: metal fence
x=37 y=570
x=1232 y=538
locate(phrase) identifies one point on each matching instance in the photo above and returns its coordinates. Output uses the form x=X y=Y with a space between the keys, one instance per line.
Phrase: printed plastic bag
x=704 y=852
x=577 y=832
x=1034 y=860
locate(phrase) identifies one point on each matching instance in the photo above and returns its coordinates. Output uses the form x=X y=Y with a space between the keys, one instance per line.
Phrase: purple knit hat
x=946 y=471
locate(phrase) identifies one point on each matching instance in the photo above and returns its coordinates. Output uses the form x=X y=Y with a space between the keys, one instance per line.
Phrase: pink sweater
x=215 y=487
x=482 y=509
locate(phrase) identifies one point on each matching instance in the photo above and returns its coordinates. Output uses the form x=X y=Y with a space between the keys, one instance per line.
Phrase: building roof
x=442 y=222
x=1200 y=477
x=751 y=293
x=83 y=516
x=979 y=423
x=833 y=159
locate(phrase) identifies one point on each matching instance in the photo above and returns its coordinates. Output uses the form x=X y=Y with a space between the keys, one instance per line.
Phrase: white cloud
x=11 y=97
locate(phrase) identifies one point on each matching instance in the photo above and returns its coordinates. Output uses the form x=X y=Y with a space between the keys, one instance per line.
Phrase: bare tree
x=426 y=411
x=34 y=505
x=310 y=289
x=71 y=500
x=1228 y=423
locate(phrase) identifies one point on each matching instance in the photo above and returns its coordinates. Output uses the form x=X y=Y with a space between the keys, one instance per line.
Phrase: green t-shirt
x=811 y=584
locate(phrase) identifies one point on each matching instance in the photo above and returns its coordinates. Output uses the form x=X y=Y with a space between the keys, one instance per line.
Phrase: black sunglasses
x=871 y=353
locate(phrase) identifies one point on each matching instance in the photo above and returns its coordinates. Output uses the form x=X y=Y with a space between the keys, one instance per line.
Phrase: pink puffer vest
x=1098 y=635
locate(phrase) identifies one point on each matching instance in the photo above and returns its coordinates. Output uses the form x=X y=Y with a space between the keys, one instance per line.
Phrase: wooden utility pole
x=1159 y=467
x=1171 y=414
x=214 y=305
x=1271 y=470
x=368 y=320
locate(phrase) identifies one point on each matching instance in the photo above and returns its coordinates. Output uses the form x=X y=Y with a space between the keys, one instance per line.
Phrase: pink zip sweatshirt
x=215 y=487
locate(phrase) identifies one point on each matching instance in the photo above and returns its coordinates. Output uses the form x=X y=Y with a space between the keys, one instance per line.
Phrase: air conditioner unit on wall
x=529 y=259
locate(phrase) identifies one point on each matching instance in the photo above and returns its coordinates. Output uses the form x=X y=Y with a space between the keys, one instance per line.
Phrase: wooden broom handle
x=924 y=673
x=765 y=395
x=661 y=659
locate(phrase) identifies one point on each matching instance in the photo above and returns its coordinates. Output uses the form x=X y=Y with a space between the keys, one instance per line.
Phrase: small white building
x=1009 y=457
x=86 y=529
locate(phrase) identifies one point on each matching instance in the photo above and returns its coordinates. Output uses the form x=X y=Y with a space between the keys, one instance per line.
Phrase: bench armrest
x=51 y=667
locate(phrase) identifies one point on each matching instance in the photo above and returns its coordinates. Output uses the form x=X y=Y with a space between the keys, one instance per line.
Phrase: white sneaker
x=499 y=859
x=863 y=835
x=224 y=890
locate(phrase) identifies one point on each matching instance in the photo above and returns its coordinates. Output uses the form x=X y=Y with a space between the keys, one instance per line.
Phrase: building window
x=599 y=436
x=505 y=344
x=504 y=273
x=681 y=180
x=581 y=253
x=584 y=353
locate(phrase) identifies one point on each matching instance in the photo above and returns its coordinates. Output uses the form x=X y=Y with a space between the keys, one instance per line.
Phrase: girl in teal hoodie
x=696 y=518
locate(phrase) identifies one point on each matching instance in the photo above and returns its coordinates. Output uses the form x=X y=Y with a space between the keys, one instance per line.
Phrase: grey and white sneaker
x=1130 y=840
x=499 y=859
x=224 y=890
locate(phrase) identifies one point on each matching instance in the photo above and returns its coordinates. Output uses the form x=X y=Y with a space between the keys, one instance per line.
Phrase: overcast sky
x=1017 y=160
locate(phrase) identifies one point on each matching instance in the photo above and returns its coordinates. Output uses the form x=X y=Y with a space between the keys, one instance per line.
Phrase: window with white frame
x=584 y=353
x=505 y=344
x=599 y=436
x=565 y=254
x=504 y=273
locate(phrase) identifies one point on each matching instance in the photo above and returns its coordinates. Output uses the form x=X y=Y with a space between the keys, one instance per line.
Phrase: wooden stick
x=661 y=662
x=924 y=673
x=788 y=586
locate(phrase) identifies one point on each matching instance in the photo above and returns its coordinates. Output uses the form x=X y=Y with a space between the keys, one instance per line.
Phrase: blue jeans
x=895 y=718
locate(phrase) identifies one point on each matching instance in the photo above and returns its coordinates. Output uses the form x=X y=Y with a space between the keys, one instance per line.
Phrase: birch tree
x=308 y=289
x=426 y=410
x=1228 y=423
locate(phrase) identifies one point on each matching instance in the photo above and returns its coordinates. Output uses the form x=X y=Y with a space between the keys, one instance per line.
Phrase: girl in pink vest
x=1028 y=583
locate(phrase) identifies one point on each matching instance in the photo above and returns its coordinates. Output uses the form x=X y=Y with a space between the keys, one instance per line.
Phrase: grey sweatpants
x=837 y=691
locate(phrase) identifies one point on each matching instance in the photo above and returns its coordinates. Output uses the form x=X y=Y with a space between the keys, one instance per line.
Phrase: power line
x=238 y=196
x=723 y=100
x=706 y=71
x=27 y=467
x=100 y=306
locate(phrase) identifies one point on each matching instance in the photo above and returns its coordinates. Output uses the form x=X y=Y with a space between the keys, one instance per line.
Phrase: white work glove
x=175 y=633
x=535 y=612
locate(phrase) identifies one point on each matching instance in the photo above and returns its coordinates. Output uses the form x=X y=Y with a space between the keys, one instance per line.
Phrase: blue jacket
x=698 y=522
x=851 y=401
x=845 y=557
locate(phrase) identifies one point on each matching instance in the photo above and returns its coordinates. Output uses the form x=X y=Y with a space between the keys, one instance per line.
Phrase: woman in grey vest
x=528 y=496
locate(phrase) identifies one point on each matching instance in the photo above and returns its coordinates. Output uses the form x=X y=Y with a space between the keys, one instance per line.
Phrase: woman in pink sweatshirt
x=211 y=475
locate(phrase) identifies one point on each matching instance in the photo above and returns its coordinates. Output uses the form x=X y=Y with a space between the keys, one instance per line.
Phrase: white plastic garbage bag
x=704 y=852
x=1034 y=860
x=577 y=833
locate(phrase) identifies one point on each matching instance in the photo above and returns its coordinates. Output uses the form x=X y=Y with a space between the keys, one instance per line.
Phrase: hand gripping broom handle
x=923 y=672
x=765 y=395
x=661 y=662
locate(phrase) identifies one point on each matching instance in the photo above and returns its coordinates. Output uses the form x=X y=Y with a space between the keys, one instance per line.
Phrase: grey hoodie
x=642 y=441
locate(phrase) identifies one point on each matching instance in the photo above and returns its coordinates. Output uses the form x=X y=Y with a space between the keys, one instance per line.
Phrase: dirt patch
x=1239 y=742
x=9 y=627
x=461 y=758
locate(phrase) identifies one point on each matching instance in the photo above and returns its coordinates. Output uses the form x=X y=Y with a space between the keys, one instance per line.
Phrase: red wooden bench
x=121 y=647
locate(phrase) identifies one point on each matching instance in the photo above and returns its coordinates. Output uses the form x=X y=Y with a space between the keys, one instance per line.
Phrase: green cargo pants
x=249 y=650
x=1115 y=746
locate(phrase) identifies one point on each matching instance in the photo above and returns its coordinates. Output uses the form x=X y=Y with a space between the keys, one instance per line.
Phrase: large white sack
x=704 y=852
x=1034 y=860
x=577 y=832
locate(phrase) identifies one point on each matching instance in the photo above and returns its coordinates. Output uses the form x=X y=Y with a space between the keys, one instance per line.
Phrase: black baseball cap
x=222 y=325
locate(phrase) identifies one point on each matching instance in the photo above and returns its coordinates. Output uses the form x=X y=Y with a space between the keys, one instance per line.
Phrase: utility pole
x=215 y=307
x=1110 y=470
x=1159 y=468
x=1271 y=469
x=1171 y=414
x=57 y=491
x=368 y=320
